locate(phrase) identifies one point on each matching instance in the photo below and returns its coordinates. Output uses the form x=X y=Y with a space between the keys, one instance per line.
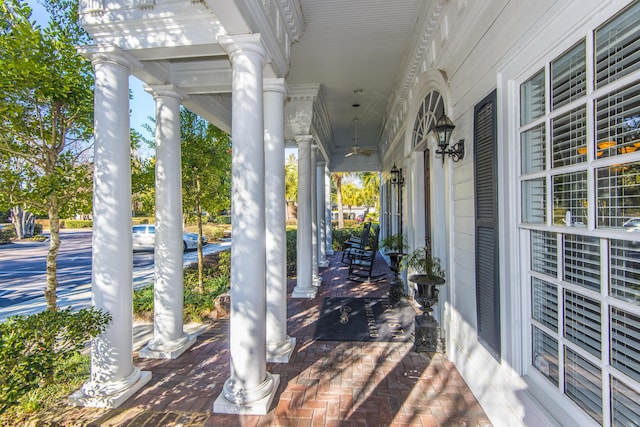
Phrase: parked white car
x=144 y=237
x=632 y=224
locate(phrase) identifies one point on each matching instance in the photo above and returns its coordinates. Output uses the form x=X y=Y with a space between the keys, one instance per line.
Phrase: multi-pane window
x=579 y=145
x=431 y=108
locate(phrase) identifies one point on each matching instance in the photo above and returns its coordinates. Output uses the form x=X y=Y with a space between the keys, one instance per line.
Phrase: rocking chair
x=361 y=261
x=356 y=242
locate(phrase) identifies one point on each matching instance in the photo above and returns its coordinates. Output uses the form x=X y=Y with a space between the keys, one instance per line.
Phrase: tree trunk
x=30 y=224
x=339 y=197
x=52 y=255
x=15 y=220
x=200 y=257
x=23 y=222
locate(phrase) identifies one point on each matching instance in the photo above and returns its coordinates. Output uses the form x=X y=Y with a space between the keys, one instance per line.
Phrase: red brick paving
x=324 y=384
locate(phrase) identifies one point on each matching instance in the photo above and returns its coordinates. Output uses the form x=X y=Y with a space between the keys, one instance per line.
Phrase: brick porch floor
x=325 y=383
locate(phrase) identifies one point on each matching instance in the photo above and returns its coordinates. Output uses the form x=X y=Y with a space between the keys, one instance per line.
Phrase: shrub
x=68 y=377
x=143 y=300
x=350 y=223
x=142 y=220
x=197 y=306
x=78 y=223
x=291 y=224
x=222 y=219
x=214 y=233
x=43 y=222
x=33 y=348
x=339 y=236
x=6 y=234
x=292 y=253
x=211 y=232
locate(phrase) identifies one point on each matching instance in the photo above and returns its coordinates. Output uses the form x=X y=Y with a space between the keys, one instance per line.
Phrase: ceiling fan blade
x=349 y=154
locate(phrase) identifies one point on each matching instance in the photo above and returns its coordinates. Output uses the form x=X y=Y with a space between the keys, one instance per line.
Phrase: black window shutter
x=486 y=203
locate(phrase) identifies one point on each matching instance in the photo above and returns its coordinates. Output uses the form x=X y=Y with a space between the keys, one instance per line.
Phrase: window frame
x=591 y=166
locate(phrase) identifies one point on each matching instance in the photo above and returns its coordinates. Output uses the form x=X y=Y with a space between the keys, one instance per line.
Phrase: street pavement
x=23 y=272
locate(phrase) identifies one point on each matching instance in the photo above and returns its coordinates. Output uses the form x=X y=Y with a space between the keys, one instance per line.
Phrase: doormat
x=365 y=319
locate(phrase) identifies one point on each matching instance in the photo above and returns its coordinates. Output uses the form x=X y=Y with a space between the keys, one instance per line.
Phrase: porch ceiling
x=348 y=46
x=356 y=50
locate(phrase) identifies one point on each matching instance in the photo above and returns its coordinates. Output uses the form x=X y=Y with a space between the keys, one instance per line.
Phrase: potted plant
x=423 y=268
x=427 y=273
x=394 y=244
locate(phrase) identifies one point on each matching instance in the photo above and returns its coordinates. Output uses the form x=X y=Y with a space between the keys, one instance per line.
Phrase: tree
x=370 y=189
x=337 y=178
x=46 y=110
x=206 y=173
x=351 y=195
x=13 y=172
x=143 y=190
x=291 y=181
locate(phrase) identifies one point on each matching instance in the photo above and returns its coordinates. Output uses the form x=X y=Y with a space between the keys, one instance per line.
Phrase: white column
x=169 y=340
x=113 y=377
x=304 y=286
x=250 y=388
x=279 y=345
x=329 y=218
x=322 y=224
x=314 y=217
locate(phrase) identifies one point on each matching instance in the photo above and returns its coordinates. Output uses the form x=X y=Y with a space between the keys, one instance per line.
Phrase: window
x=580 y=208
x=431 y=109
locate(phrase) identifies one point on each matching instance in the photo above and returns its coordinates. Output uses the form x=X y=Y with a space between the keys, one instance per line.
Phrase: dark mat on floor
x=365 y=319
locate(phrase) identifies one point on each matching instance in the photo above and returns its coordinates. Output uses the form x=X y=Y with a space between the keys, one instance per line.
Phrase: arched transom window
x=431 y=109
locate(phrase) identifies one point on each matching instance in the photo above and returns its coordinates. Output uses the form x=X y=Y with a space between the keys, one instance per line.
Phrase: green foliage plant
x=420 y=261
x=394 y=243
x=33 y=347
x=6 y=234
x=78 y=223
x=206 y=173
x=292 y=253
x=197 y=305
x=46 y=105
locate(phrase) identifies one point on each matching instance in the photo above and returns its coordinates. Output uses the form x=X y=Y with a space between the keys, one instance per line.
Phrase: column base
x=323 y=264
x=330 y=252
x=304 y=292
x=259 y=407
x=282 y=353
x=106 y=399
x=169 y=350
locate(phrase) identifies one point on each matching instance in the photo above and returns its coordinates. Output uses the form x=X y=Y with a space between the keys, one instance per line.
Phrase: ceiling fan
x=355 y=149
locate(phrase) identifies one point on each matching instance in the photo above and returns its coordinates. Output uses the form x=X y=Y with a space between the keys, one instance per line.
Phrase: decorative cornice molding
x=307 y=113
x=301 y=93
x=293 y=17
x=267 y=18
x=321 y=124
x=162 y=25
x=92 y=7
x=146 y=4
x=398 y=106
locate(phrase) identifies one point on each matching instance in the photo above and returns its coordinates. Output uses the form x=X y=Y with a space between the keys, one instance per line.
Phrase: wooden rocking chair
x=355 y=242
x=361 y=261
